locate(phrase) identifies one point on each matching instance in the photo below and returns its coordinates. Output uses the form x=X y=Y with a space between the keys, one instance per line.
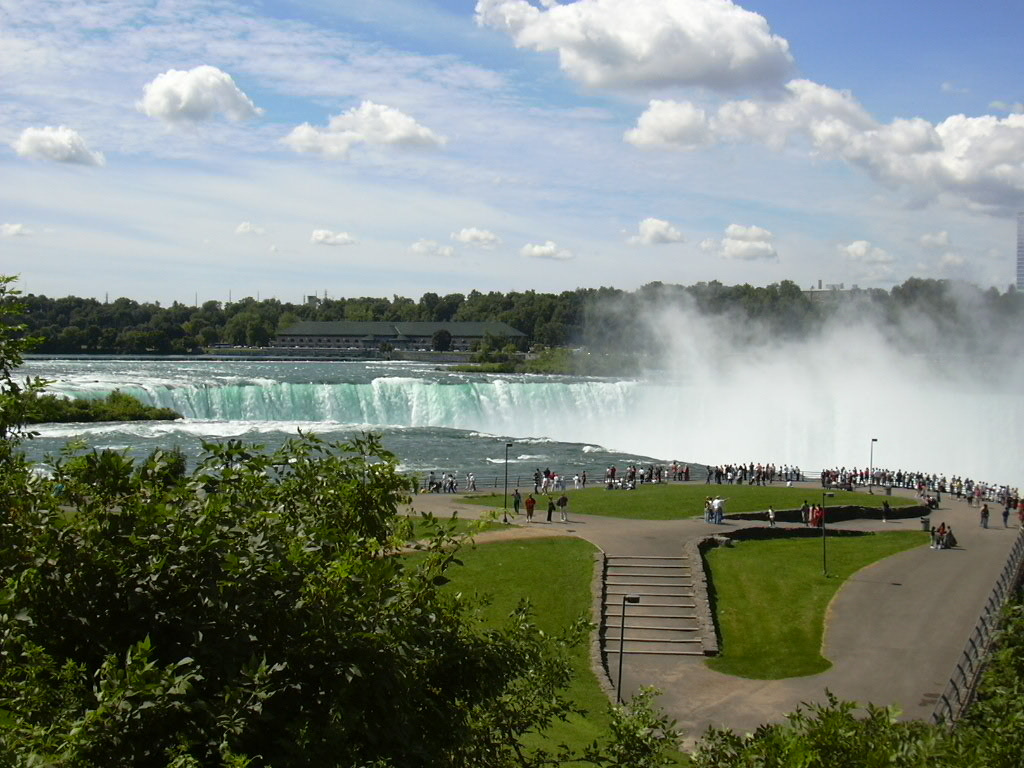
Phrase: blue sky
x=168 y=149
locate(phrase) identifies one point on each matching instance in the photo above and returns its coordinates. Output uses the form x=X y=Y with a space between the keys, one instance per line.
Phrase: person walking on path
x=1006 y=514
x=984 y=515
x=530 y=504
x=517 y=499
x=551 y=507
x=563 y=506
x=771 y=517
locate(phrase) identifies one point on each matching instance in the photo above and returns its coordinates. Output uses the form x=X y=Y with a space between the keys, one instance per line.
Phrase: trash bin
x=888 y=490
x=926 y=523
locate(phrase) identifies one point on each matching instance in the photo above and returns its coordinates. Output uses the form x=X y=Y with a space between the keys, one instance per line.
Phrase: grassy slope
x=555 y=574
x=771 y=599
x=669 y=501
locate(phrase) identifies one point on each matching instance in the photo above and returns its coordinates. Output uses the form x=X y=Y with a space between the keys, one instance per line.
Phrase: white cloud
x=247 y=228
x=432 y=248
x=949 y=87
x=62 y=145
x=710 y=43
x=743 y=244
x=548 y=250
x=368 y=123
x=479 y=237
x=656 y=232
x=863 y=252
x=1015 y=107
x=326 y=237
x=935 y=239
x=671 y=125
x=976 y=160
x=14 y=230
x=195 y=95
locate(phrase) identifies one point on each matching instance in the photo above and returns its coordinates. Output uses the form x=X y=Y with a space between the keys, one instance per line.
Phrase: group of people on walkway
x=714 y=510
x=927 y=485
x=559 y=505
x=752 y=474
x=942 y=537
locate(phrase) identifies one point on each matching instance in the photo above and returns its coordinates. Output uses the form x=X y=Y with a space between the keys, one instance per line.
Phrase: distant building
x=344 y=334
x=1020 y=251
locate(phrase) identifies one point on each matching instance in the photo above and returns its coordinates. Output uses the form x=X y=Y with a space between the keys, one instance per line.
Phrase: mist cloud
x=729 y=387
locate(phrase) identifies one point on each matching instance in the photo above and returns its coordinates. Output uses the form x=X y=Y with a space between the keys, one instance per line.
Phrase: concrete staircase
x=664 y=621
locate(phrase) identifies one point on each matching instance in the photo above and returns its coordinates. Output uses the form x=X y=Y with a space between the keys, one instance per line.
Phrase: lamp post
x=505 y=517
x=824 y=558
x=630 y=598
x=871 y=466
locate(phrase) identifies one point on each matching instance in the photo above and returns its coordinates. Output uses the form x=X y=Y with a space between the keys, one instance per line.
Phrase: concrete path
x=894 y=631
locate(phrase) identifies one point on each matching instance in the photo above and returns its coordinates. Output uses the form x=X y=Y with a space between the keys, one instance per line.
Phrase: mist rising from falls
x=934 y=405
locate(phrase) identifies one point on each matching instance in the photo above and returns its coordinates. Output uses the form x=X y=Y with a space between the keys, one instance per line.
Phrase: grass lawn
x=555 y=574
x=771 y=599
x=669 y=501
x=459 y=526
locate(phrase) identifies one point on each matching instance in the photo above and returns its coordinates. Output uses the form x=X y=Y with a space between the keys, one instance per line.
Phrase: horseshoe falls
x=783 y=409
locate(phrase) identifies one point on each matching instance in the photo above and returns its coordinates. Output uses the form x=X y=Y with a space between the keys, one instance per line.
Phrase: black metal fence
x=963 y=682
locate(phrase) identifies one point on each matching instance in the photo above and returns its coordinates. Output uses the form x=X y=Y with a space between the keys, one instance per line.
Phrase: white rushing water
x=812 y=407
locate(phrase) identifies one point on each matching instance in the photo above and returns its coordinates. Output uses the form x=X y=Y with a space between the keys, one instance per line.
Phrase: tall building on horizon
x=1020 y=251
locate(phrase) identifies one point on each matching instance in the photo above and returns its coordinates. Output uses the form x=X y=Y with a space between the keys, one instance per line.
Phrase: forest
x=595 y=318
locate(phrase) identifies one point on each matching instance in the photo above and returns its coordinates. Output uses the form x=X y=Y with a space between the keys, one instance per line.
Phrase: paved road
x=894 y=631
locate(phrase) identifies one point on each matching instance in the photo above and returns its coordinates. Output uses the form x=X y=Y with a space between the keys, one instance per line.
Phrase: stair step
x=659 y=567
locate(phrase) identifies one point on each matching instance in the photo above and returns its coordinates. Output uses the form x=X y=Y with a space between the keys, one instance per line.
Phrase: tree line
x=596 y=318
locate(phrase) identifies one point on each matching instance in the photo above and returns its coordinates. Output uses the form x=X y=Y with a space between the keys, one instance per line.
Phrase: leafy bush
x=117 y=406
x=250 y=614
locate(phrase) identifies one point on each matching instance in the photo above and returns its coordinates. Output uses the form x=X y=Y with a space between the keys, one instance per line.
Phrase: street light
x=824 y=561
x=622 y=641
x=871 y=465
x=505 y=517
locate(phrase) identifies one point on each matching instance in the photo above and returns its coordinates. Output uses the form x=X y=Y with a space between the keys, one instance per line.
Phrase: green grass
x=459 y=526
x=555 y=574
x=670 y=501
x=771 y=599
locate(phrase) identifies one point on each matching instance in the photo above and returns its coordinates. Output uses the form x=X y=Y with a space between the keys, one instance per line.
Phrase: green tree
x=441 y=341
x=16 y=399
x=254 y=614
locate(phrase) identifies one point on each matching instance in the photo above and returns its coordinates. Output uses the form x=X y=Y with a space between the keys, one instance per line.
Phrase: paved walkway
x=894 y=632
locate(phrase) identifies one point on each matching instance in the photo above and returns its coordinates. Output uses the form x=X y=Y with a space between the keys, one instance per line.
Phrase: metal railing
x=524 y=480
x=963 y=682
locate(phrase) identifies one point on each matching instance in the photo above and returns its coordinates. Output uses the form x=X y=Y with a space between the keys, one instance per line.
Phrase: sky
x=195 y=150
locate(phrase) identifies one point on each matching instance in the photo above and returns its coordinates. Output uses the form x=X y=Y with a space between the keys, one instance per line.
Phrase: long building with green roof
x=348 y=335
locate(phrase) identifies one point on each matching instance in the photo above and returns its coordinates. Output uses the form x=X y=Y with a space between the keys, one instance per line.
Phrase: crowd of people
x=929 y=487
x=752 y=474
x=559 y=505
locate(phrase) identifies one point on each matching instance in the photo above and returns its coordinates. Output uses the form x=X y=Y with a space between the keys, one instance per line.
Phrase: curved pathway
x=894 y=631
